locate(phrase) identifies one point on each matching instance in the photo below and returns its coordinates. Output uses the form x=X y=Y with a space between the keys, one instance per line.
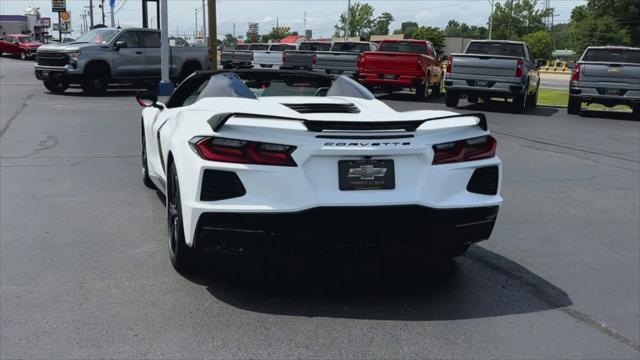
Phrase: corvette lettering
x=367 y=144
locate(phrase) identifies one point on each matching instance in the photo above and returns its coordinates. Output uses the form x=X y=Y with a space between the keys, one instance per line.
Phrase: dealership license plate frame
x=366 y=174
x=482 y=83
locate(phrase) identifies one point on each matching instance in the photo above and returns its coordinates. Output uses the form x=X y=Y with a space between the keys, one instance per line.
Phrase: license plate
x=366 y=175
x=44 y=73
x=482 y=83
x=389 y=76
x=613 y=91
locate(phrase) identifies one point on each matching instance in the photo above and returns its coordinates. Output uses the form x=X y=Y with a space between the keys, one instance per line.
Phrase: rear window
x=613 y=55
x=405 y=47
x=259 y=47
x=242 y=47
x=282 y=47
x=495 y=48
x=315 y=46
x=351 y=47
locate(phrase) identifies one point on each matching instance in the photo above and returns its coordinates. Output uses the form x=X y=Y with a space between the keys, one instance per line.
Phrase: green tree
x=625 y=12
x=407 y=28
x=589 y=28
x=381 y=25
x=457 y=29
x=515 y=18
x=540 y=44
x=360 y=20
x=252 y=37
x=229 y=40
x=433 y=34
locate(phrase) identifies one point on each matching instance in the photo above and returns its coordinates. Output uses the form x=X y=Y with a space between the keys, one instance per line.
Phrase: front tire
x=56 y=87
x=23 y=56
x=519 y=103
x=573 y=108
x=532 y=100
x=96 y=81
x=636 y=111
x=183 y=258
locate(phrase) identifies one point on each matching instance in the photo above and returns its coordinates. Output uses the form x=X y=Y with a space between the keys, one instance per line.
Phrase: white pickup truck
x=272 y=56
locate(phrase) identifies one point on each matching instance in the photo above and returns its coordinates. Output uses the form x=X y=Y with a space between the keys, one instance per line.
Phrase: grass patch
x=560 y=98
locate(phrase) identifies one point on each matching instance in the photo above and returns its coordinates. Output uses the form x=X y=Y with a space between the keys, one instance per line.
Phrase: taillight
x=483 y=147
x=242 y=152
x=314 y=59
x=520 y=68
x=575 y=74
x=449 y=64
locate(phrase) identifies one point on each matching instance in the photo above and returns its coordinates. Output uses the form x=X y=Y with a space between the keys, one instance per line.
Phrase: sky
x=321 y=15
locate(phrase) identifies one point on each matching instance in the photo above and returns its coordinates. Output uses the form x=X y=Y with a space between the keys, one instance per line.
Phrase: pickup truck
x=401 y=64
x=608 y=75
x=343 y=57
x=489 y=69
x=272 y=56
x=20 y=45
x=303 y=57
x=244 y=58
x=104 y=56
x=226 y=56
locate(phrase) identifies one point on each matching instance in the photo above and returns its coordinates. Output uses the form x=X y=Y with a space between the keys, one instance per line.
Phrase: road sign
x=58 y=5
x=65 y=15
x=66 y=26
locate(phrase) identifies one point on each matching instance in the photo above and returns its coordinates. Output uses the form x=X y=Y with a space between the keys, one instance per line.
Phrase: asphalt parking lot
x=85 y=273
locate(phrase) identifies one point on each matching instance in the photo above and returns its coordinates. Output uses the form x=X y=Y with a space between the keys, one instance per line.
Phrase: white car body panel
x=314 y=182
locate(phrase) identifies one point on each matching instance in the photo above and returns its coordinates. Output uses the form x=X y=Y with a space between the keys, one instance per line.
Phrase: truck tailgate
x=390 y=62
x=610 y=73
x=469 y=64
x=336 y=60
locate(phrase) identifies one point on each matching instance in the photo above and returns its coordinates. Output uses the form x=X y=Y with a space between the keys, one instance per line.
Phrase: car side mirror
x=120 y=44
x=148 y=99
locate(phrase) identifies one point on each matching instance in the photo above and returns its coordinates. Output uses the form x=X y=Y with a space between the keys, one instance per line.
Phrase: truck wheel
x=23 y=56
x=188 y=69
x=532 y=101
x=472 y=99
x=96 y=81
x=451 y=98
x=56 y=87
x=422 y=92
x=573 y=108
x=519 y=103
x=435 y=91
x=636 y=111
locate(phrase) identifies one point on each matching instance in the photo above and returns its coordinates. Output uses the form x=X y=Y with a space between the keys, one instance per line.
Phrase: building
x=293 y=39
x=30 y=23
x=454 y=45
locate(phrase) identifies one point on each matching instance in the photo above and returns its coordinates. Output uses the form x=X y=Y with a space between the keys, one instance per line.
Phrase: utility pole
x=213 y=35
x=90 y=13
x=305 y=22
x=491 y=19
x=510 y=16
x=113 y=13
x=165 y=88
x=195 y=33
x=347 y=31
x=102 y=8
x=234 y=29
x=204 y=23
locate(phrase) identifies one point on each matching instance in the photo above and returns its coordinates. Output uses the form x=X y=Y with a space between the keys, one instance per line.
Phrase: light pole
x=347 y=31
x=90 y=13
x=204 y=22
x=213 y=35
x=112 y=4
x=165 y=88
x=491 y=19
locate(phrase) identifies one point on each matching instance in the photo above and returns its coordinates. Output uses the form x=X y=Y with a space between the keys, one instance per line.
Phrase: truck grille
x=52 y=59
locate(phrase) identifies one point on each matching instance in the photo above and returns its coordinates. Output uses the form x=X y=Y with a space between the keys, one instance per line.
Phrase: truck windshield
x=242 y=47
x=24 y=39
x=97 y=36
x=315 y=46
x=405 y=47
x=495 y=48
x=351 y=47
x=613 y=55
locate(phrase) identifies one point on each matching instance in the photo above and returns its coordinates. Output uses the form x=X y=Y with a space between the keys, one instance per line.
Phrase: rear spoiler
x=218 y=121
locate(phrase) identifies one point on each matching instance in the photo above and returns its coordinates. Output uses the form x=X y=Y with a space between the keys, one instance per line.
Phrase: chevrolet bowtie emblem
x=367 y=172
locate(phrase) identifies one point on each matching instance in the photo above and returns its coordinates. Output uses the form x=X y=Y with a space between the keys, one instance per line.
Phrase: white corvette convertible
x=268 y=159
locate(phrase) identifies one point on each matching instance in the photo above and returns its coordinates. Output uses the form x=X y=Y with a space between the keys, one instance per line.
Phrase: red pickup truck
x=402 y=64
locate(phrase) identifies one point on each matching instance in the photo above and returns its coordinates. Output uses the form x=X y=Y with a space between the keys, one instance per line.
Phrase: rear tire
x=519 y=103
x=422 y=92
x=636 y=111
x=451 y=99
x=56 y=87
x=532 y=100
x=573 y=108
x=187 y=70
x=183 y=258
x=435 y=90
x=472 y=99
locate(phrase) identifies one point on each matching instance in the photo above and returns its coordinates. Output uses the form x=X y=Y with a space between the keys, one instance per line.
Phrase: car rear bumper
x=468 y=87
x=627 y=96
x=401 y=81
x=411 y=228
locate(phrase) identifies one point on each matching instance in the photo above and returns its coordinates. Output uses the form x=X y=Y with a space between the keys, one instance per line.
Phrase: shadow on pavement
x=477 y=285
x=613 y=115
x=500 y=106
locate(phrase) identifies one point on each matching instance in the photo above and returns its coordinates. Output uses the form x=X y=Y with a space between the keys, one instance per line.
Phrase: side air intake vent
x=323 y=108
x=484 y=181
x=220 y=185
